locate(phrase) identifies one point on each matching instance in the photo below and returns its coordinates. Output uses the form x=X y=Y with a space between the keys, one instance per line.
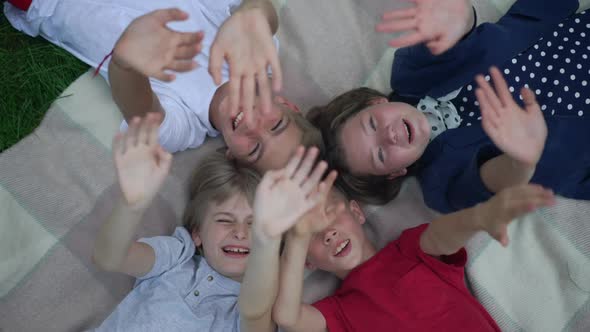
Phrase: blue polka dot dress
x=556 y=69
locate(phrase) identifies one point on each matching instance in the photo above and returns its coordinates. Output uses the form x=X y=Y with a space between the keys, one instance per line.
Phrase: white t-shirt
x=89 y=29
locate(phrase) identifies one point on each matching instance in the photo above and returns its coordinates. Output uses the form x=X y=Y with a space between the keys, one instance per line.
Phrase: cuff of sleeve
x=409 y=243
x=329 y=308
x=155 y=271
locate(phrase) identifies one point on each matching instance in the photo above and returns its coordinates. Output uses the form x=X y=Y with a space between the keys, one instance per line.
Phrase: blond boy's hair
x=215 y=180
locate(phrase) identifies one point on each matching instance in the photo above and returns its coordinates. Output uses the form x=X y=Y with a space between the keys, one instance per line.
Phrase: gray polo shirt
x=181 y=293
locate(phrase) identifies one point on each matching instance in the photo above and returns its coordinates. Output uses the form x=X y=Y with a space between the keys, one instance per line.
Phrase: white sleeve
x=181 y=129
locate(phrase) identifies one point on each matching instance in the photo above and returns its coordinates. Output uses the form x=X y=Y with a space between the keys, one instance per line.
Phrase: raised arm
x=449 y=233
x=289 y=312
x=245 y=42
x=416 y=72
x=147 y=48
x=282 y=197
x=519 y=133
x=138 y=157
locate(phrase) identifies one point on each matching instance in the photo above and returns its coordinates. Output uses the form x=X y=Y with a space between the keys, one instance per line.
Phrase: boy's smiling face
x=343 y=245
x=224 y=236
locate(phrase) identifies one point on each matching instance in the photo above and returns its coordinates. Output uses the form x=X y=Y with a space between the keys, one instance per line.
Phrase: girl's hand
x=140 y=161
x=494 y=215
x=245 y=42
x=520 y=133
x=149 y=47
x=283 y=196
x=438 y=23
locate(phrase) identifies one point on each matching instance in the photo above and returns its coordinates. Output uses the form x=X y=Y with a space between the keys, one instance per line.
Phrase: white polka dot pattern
x=556 y=69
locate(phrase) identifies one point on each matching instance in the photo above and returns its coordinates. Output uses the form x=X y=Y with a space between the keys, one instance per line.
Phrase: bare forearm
x=502 y=172
x=287 y=308
x=269 y=11
x=260 y=284
x=116 y=236
x=449 y=233
x=132 y=92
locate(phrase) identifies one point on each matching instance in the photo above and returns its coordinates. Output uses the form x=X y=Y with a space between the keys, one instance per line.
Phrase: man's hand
x=150 y=48
x=245 y=42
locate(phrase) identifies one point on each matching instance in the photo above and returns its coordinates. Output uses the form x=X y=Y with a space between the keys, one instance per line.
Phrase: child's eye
x=381 y=156
x=253 y=151
x=372 y=123
x=277 y=125
x=223 y=220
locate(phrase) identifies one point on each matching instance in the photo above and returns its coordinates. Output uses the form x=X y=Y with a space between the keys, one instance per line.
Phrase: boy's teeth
x=237 y=250
x=342 y=246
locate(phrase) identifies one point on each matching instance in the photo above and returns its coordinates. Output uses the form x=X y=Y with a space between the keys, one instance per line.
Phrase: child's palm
x=140 y=173
x=142 y=165
x=520 y=133
x=513 y=202
x=285 y=195
x=285 y=203
x=439 y=24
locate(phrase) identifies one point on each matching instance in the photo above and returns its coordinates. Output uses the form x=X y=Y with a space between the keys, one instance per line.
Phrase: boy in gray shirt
x=176 y=290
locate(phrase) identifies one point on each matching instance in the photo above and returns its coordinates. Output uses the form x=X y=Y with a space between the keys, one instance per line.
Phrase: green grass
x=33 y=73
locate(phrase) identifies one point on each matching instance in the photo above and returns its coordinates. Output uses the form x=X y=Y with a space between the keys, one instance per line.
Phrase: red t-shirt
x=403 y=289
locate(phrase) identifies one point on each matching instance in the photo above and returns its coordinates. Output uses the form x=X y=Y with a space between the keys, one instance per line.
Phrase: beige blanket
x=56 y=186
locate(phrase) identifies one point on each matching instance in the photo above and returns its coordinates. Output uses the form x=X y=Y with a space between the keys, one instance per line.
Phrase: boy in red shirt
x=415 y=283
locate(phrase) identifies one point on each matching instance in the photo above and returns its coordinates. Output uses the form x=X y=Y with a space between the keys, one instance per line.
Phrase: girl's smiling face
x=384 y=139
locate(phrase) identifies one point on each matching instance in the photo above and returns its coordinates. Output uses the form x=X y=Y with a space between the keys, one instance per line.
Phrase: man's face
x=269 y=141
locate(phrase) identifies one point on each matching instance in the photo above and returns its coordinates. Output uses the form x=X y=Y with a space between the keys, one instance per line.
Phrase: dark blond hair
x=215 y=180
x=330 y=118
x=310 y=134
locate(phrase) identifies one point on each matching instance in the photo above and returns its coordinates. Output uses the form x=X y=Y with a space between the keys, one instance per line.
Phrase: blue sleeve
x=468 y=189
x=452 y=182
x=170 y=251
x=418 y=73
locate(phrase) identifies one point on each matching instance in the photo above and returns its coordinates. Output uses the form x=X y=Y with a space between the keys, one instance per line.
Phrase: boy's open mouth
x=342 y=249
x=235 y=251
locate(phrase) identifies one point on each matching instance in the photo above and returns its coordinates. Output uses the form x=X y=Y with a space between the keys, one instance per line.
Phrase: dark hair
x=372 y=189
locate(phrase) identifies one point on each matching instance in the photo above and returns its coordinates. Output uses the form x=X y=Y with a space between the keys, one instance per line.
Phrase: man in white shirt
x=150 y=43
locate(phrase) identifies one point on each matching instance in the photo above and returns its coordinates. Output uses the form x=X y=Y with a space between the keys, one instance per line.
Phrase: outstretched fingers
x=501 y=87
x=170 y=14
x=294 y=162
x=400 y=13
x=301 y=174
